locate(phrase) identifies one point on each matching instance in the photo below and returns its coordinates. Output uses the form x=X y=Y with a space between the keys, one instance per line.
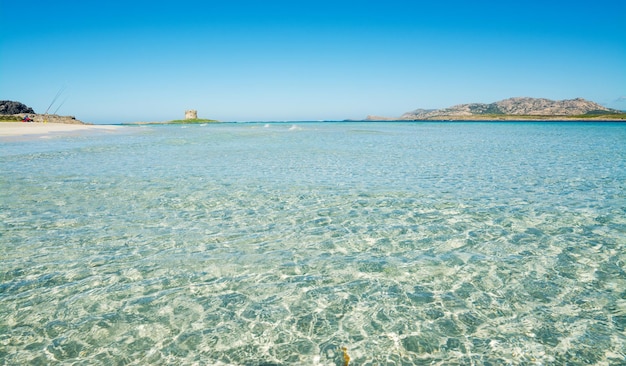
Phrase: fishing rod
x=60 y=105
x=55 y=98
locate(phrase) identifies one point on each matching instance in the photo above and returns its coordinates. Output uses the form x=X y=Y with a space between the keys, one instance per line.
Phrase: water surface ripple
x=279 y=244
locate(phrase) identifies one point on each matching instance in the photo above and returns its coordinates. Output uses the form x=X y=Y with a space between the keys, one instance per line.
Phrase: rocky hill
x=15 y=111
x=528 y=107
x=11 y=107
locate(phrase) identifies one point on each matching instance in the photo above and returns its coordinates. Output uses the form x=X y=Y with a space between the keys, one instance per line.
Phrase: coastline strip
x=23 y=129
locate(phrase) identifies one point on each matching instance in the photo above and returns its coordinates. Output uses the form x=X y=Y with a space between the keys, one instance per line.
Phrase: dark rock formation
x=10 y=107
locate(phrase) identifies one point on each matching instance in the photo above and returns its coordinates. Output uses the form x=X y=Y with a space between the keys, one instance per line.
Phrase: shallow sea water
x=279 y=244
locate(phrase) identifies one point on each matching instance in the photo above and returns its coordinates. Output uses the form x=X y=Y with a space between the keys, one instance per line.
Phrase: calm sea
x=308 y=243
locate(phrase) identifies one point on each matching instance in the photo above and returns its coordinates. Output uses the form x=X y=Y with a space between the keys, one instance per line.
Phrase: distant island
x=191 y=117
x=176 y=122
x=515 y=109
x=512 y=109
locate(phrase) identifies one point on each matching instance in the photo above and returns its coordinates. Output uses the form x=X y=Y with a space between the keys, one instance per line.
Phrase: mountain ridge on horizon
x=511 y=107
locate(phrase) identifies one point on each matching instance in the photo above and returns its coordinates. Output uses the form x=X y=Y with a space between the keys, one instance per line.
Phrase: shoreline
x=498 y=118
x=15 y=130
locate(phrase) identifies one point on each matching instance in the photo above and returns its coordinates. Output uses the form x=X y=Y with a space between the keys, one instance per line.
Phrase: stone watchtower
x=191 y=114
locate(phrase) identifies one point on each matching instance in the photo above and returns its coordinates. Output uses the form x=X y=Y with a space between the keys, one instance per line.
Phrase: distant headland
x=11 y=111
x=515 y=109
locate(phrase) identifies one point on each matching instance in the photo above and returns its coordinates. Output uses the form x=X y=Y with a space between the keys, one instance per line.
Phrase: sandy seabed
x=10 y=130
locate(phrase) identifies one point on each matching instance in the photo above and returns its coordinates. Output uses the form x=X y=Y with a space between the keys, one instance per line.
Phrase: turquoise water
x=279 y=244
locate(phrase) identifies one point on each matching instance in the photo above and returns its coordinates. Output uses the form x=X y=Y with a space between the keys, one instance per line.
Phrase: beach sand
x=10 y=130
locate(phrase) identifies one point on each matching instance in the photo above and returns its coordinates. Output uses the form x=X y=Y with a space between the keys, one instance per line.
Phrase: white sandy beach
x=17 y=129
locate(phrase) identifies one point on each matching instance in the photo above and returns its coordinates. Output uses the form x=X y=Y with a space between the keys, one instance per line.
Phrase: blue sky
x=121 y=61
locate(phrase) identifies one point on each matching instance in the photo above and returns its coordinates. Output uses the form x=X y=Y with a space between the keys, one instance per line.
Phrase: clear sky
x=239 y=60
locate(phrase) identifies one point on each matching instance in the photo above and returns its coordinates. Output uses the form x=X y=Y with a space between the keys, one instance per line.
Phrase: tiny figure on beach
x=27 y=119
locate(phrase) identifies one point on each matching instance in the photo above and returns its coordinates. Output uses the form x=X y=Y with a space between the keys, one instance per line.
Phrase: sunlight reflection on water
x=406 y=243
